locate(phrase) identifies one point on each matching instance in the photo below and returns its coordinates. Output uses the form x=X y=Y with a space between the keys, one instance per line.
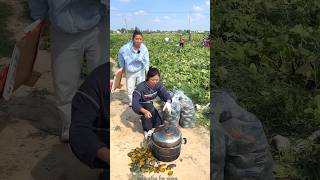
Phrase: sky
x=160 y=14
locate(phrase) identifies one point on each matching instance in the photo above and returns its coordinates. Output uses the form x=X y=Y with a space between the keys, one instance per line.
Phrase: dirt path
x=127 y=134
x=29 y=126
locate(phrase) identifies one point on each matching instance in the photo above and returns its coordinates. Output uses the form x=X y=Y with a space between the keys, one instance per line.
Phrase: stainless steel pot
x=166 y=143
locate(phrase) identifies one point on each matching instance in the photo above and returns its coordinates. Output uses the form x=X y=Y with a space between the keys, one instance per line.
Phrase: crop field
x=267 y=52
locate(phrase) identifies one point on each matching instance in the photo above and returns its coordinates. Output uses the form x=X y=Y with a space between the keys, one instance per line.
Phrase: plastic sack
x=247 y=154
x=183 y=112
x=218 y=149
x=187 y=116
x=174 y=117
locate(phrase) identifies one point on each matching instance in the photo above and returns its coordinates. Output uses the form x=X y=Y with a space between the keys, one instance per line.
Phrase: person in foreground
x=77 y=30
x=89 y=130
x=142 y=103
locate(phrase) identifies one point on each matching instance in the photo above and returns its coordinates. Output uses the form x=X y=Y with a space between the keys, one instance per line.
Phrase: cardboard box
x=22 y=59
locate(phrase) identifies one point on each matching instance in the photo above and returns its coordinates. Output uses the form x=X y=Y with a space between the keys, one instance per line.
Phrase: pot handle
x=184 y=141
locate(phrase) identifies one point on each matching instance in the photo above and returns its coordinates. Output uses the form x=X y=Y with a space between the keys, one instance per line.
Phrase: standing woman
x=142 y=103
x=77 y=30
x=133 y=58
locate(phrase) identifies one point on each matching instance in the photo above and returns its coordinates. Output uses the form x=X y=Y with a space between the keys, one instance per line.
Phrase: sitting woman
x=142 y=103
x=89 y=131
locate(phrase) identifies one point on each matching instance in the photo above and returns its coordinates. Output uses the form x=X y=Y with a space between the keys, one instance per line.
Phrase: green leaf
x=316 y=101
x=253 y=68
x=222 y=73
x=298 y=29
x=305 y=70
x=308 y=111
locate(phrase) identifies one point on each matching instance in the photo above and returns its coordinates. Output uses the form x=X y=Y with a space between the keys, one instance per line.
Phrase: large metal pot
x=166 y=143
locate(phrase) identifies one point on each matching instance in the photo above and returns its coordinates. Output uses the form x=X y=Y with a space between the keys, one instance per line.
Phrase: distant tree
x=122 y=30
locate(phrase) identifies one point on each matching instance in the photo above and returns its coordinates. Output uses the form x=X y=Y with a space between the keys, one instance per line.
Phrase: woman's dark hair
x=152 y=72
x=136 y=32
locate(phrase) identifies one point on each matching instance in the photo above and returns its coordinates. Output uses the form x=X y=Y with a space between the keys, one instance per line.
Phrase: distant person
x=78 y=29
x=142 y=103
x=190 y=36
x=181 y=41
x=207 y=41
x=133 y=58
x=89 y=131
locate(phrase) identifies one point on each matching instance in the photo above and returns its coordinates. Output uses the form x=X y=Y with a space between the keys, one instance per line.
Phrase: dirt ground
x=29 y=127
x=127 y=134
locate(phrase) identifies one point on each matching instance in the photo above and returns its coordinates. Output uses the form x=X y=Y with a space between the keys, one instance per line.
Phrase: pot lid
x=167 y=136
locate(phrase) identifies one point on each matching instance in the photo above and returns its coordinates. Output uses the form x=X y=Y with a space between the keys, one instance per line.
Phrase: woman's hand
x=167 y=107
x=147 y=114
x=104 y=154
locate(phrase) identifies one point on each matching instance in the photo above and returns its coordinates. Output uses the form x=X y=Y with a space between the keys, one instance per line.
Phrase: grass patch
x=203 y=117
x=111 y=72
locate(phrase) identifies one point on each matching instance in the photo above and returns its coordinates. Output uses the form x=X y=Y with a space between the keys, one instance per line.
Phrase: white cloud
x=156 y=20
x=166 y=17
x=140 y=13
x=197 y=8
x=128 y=15
x=197 y=17
x=208 y=3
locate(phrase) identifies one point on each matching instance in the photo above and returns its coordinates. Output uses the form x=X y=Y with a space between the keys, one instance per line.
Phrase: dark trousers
x=154 y=121
x=105 y=175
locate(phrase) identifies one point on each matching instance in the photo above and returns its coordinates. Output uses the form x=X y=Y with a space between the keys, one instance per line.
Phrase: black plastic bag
x=239 y=145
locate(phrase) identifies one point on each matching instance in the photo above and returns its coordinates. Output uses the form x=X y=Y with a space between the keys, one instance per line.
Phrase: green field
x=186 y=68
x=267 y=52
